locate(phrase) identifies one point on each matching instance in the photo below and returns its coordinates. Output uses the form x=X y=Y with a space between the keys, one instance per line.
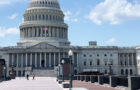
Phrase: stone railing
x=131 y=82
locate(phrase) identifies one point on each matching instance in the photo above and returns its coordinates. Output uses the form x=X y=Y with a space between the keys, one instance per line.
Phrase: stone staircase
x=44 y=72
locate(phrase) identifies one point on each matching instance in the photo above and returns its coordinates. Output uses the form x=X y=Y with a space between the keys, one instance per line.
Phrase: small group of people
x=27 y=76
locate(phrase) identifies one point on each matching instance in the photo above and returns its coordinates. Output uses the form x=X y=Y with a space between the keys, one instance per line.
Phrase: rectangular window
x=85 y=63
x=90 y=63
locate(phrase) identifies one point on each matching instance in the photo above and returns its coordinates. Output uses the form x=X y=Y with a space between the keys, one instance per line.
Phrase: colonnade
x=37 y=60
x=44 y=32
x=127 y=59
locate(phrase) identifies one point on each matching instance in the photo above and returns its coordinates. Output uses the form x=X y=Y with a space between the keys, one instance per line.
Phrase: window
x=97 y=54
x=85 y=63
x=105 y=62
x=105 y=71
x=131 y=72
x=84 y=55
x=126 y=72
x=98 y=62
x=105 y=55
x=90 y=63
x=39 y=17
x=90 y=55
x=122 y=72
x=43 y=17
x=111 y=55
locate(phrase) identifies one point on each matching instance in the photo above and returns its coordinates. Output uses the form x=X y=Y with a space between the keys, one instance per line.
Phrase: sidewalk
x=90 y=86
x=40 y=83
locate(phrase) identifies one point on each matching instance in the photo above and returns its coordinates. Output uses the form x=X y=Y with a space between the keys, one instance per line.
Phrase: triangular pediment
x=43 y=46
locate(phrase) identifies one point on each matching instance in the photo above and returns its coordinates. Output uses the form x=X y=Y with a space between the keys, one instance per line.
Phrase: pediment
x=43 y=46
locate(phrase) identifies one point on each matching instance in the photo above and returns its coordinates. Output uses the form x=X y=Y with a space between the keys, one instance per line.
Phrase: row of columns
x=44 y=18
x=127 y=59
x=41 y=32
x=35 y=59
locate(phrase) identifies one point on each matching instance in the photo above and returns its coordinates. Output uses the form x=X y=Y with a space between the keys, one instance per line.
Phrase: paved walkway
x=40 y=83
x=91 y=86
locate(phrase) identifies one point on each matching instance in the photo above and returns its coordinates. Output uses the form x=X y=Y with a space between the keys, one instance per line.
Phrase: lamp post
x=70 y=53
x=4 y=72
x=63 y=61
x=110 y=71
x=59 y=71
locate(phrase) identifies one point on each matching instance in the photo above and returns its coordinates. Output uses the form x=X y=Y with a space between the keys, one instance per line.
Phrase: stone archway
x=42 y=63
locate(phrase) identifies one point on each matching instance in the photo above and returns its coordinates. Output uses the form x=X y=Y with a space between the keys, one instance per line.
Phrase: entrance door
x=42 y=63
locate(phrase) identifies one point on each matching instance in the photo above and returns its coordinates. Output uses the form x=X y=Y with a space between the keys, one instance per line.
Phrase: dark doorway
x=42 y=63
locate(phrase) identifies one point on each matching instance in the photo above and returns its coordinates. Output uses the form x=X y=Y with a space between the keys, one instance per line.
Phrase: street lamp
x=110 y=71
x=63 y=61
x=59 y=71
x=70 y=53
x=4 y=72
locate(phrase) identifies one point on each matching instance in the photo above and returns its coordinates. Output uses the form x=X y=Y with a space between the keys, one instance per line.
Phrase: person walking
x=27 y=76
x=33 y=76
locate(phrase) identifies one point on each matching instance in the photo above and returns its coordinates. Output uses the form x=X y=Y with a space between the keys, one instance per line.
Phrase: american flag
x=45 y=29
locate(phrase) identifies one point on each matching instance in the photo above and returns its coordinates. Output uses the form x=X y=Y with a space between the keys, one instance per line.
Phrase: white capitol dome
x=43 y=22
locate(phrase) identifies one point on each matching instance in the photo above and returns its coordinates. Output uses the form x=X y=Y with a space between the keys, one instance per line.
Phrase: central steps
x=44 y=72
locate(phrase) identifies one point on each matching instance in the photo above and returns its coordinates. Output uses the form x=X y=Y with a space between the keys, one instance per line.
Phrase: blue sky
x=109 y=22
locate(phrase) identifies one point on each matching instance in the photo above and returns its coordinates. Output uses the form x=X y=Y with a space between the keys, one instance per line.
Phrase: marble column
x=26 y=59
x=28 y=32
x=40 y=59
x=37 y=32
x=31 y=59
x=132 y=59
x=35 y=59
x=17 y=60
x=54 y=59
x=22 y=60
x=49 y=29
x=50 y=60
x=59 y=57
x=45 y=59
x=77 y=59
x=41 y=32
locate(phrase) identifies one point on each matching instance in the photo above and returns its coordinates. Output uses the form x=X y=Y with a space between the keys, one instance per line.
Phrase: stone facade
x=44 y=41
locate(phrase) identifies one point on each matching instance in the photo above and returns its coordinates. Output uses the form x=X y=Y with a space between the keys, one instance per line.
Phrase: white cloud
x=13 y=16
x=115 y=11
x=75 y=20
x=67 y=15
x=71 y=17
x=111 y=41
x=9 y=31
x=5 y=2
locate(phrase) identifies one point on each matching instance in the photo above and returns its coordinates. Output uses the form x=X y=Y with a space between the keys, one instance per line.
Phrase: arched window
x=122 y=72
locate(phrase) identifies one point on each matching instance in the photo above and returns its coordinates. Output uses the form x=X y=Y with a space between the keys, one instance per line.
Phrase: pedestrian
x=27 y=77
x=33 y=76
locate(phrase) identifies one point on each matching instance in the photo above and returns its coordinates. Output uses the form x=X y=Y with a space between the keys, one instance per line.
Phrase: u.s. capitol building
x=44 y=41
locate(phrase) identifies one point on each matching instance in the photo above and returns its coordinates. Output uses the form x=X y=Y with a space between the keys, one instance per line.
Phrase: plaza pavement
x=40 y=83
x=47 y=83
